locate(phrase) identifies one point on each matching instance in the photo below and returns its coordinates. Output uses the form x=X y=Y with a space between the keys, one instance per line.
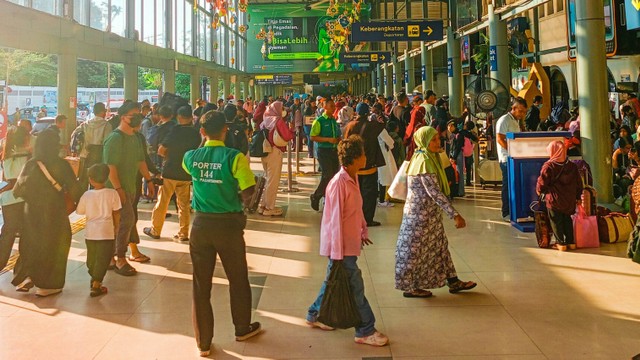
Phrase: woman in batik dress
x=423 y=260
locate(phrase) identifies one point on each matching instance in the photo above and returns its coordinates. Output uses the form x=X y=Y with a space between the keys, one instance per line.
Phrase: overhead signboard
x=427 y=30
x=302 y=38
x=632 y=13
x=364 y=57
x=609 y=28
x=274 y=79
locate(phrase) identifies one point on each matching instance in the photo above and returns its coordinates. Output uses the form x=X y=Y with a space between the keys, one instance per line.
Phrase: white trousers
x=272 y=165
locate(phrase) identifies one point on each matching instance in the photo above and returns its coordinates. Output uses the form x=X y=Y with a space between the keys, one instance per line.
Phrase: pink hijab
x=272 y=114
x=557 y=152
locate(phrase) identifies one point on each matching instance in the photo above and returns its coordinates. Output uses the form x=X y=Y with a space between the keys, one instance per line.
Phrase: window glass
x=80 y=10
x=19 y=2
x=138 y=19
x=99 y=14
x=148 y=19
x=160 y=17
x=188 y=30
x=202 y=35
x=118 y=17
x=48 y=6
x=179 y=26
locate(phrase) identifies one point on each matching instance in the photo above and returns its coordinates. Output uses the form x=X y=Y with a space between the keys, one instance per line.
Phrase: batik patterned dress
x=423 y=260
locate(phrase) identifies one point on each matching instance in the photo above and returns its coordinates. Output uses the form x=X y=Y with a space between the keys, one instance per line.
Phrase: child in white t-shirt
x=102 y=209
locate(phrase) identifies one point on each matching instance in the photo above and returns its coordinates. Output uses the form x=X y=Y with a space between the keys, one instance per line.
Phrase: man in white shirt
x=429 y=106
x=509 y=122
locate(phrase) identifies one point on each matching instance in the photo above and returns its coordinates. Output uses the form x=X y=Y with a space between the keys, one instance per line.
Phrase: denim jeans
x=505 y=189
x=367 y=326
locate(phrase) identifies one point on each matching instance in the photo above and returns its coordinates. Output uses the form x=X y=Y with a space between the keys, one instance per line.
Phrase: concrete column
x=409 y=78
x=592 y=94
x=381 y=79
x=169 y=81
x=396 y=77
x=226 y=86
x=215 y=82
x=426 y=58
x=498 y=44
x=68 y=84
x=388 y=81
x=454 y=73
x=131 y=80
x=195 y=86
x=374 y=79
x=236 y=89
x=245 y=89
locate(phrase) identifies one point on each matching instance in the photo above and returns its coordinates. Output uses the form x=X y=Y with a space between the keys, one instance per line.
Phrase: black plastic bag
x=338 y=308
x=256 y=149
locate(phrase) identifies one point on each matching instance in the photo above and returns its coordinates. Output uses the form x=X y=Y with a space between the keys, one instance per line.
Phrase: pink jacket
x=343 y=225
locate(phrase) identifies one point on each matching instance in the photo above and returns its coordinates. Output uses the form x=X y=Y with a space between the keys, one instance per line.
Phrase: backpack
x=174 y=101
x=257 y=141
x=467 y=149
x=559 y=115
x=77 y=140
x=236 y=138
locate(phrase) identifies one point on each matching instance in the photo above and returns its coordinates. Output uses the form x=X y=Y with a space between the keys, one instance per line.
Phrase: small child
x=398 y=150
x=102 y=209
x=561 y=183
x=343 y=233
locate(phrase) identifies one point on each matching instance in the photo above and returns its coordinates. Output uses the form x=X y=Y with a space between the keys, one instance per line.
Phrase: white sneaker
x=386 y=204
x=46 y=292
x=507 y=219
x=319 y=325
x=204 y=353
x=272 y=212
x=260 y=210
x=375 y=339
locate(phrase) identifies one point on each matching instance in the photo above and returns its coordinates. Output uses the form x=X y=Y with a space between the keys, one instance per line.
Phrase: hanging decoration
x=242 y=29
x=233 y=61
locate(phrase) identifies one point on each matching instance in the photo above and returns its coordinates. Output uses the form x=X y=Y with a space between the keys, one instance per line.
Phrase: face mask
x=540 y=106
x=135 y=120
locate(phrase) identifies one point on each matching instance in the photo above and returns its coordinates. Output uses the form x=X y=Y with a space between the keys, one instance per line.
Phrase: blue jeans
x=367 y=326
x=505 y=189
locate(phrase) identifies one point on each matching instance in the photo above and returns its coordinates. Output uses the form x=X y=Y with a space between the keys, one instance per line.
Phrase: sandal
x=126 y=270
x=25 y=285
x=460 y=285
x=141 y=258
x=417 y=294
x=98 y=291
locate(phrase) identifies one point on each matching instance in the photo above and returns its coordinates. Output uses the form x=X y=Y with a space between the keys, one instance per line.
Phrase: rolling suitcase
x=257 y=195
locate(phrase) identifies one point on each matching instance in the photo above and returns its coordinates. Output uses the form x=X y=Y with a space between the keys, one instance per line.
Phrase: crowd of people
x=200 y=159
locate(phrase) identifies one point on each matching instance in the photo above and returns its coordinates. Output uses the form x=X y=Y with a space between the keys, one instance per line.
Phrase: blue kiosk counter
x=527 y=154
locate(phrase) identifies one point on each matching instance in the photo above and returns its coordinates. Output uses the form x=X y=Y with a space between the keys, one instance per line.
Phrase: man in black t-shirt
x=182 y=138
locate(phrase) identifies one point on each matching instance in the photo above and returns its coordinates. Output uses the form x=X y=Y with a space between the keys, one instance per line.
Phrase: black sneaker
x=254 y=329
x=315 y=202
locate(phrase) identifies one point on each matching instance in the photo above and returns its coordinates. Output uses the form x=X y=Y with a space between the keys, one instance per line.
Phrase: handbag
x=398 y=188
x=542 y=224
x=70 y=205
x=338 y=308
x=615 y=227
x=585 y=229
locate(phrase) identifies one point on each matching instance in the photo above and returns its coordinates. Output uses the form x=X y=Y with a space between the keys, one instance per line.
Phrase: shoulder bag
x=70 y=205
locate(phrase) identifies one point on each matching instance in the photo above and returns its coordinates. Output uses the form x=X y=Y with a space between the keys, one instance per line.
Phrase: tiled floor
x=529 y=304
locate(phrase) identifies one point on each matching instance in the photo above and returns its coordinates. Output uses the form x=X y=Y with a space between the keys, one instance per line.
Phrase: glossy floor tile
x=530 y=303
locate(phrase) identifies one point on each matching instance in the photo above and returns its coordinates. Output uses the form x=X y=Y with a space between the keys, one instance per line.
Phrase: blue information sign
x=406 y=77
x=385 y=81
x=371 y=57
x=274 y=79
x=424 y=74
x=632 y=10
x=394 y=78
x=450 y=67
x=427 y=30
x=493 y=58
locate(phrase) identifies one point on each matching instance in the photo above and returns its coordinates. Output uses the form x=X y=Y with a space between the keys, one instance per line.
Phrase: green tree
x=183 y=85
x=481 y=56
x=28 y=68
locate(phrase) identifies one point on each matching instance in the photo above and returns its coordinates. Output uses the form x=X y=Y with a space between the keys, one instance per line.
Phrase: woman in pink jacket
x=272 y=163
x=342 y=234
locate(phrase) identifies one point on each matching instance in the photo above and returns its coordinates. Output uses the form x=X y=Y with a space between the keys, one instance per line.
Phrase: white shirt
x=98 y=206
x=506 y=124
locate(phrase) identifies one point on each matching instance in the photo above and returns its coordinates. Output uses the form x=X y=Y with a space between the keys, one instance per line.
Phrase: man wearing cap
x=124 y=154
x=368 y=176
x=218 y=173
x=325 y=133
